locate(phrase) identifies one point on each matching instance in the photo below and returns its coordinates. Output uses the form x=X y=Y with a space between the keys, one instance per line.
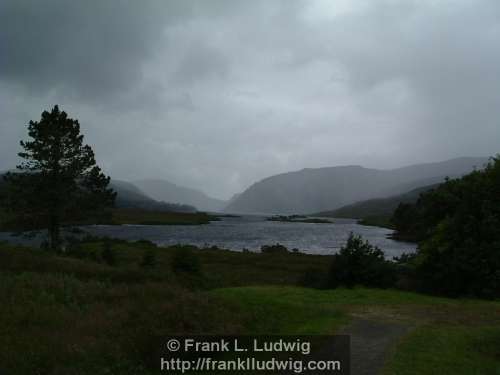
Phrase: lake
x=251 y=232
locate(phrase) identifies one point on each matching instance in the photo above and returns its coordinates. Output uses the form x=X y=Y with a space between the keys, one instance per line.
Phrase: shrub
x=108 y=254
x=185 y=260
x=313 y=278
x=75 y=249
x=360 y=263
x=44 y=245
x=457 y=227
x=274 y=249
x=148 y=258
x=145 y=243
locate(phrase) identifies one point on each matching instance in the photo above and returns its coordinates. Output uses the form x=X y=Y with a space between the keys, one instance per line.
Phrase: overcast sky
x=216 y=94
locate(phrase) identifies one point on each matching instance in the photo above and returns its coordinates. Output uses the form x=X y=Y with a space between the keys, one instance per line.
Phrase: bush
x=274 y=249
x=313 y=278
x=454 y=264
x=145 y=243
x=108 y=254
x=185 y=260
x=360 y=263
x=148 y=258
x=75 y=249
x=457 y=227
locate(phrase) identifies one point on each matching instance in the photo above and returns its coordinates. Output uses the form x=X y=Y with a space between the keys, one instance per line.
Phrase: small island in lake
x=299 y=219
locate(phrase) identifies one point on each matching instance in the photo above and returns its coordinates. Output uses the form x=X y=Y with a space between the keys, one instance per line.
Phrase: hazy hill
x=378 y=207
x=166 y=191
x=130 y=196
x=321 y=189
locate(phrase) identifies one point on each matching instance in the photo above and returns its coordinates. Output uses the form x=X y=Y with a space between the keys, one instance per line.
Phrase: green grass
x=133 y=216
x=458 y=350
x=58 y=324
x=451 y=336
x=4 y=218
x=410 y=304
x=62 y=315
x=221 y=268
x=284 y=310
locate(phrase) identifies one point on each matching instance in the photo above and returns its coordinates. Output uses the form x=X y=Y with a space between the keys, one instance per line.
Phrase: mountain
x=321 y=189
x=130 y=196
x=127 y=192
x=378 y=207
x=166 y=191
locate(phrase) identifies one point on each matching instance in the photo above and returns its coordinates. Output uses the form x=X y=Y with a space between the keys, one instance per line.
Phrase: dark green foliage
x=299 y=219
x=376 y=221
x=108 y=254
x=93 y=256
x=186 y=260
x=273 y=249
x=145 y=243
x=313 y=278
x=404 y=222
x=148 y=258
x=360 y=263
x=457 y=226
x=58 y=181
x=75 y=249
x=44 y=245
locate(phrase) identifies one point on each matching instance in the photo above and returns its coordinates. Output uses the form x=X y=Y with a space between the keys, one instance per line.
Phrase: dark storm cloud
x=200 y=63
x=86 y=47
x=217 y=94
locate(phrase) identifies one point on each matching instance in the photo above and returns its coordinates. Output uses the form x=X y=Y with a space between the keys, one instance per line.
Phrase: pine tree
x=58 y=180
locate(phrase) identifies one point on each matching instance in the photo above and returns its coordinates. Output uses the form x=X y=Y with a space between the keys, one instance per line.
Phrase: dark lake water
x=251 y=232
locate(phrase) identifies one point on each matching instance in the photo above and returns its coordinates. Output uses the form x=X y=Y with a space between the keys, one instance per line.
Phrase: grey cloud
x=91 y=48
x=218 y=94
x=201 y=63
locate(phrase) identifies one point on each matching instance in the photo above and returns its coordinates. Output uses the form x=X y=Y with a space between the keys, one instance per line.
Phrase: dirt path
x=370 y=343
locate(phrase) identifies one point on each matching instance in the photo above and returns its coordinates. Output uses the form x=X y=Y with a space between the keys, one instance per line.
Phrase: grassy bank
x=447 y=336
x=145 y=217
x=377 y=221
x=68 y=315
x=134 y=216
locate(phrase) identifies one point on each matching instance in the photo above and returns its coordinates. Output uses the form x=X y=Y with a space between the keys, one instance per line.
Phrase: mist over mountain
x=130 y=196
x=322 y=189
x=166 y=191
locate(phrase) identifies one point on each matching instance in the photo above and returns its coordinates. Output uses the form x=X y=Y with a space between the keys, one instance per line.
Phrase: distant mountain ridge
x=377 y=207
x=166 y=191
x=324 y=189
x=130 y=196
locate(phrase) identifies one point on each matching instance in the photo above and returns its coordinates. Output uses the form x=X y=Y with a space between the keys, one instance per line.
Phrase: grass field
x=137 y=217
x=145 y=217
x=62 y=315
x=448 y=336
